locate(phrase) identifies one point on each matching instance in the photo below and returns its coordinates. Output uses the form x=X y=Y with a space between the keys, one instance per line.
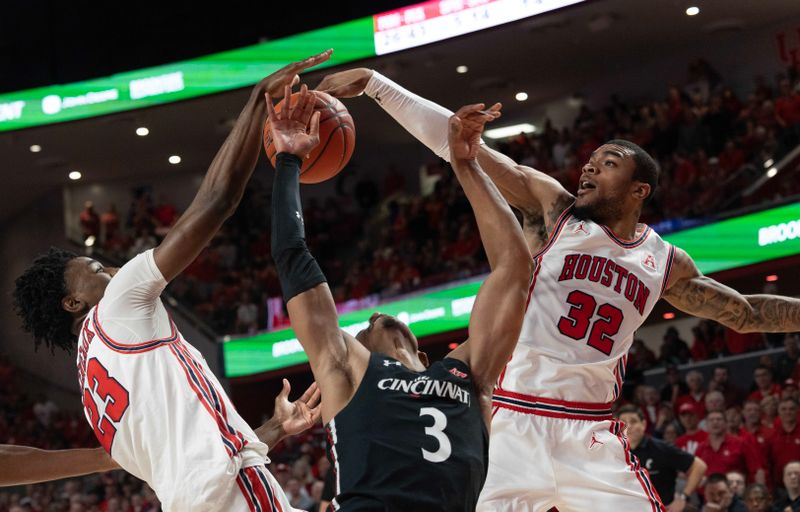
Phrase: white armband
x=422 y=118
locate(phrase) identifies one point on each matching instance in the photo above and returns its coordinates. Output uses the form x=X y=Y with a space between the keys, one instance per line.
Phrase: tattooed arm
x=692 y=292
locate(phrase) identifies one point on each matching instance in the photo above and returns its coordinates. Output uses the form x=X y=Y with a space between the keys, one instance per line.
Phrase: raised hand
x=300 y=415
x=346 y=84
x=289 y=75
x=295 y=129
x=466 y=127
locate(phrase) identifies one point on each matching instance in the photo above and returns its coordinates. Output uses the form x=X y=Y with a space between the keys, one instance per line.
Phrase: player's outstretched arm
x=291 y=418
x=692 y=292
x=532 y=192
x=309 y=301
x=225 y=180
x=21 y=465
x=499 y=308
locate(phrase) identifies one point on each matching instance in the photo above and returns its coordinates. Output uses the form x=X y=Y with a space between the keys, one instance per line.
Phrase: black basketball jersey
x=409 y=441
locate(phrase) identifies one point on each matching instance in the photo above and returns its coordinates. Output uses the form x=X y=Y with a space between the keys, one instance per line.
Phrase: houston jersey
x=589 y=294
x=410 y=441
x=155 y=405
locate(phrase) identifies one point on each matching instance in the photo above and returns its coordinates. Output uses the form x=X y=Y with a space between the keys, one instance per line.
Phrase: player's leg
x=520 y=477
x=596 y=471
x=256 y=489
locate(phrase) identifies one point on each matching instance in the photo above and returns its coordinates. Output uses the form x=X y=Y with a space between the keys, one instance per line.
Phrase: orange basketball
x=337 y=138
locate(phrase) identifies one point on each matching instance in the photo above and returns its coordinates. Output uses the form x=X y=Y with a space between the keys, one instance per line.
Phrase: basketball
x=337 y=138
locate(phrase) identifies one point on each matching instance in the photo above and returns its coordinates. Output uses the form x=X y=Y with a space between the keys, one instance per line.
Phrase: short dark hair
x=646 y=169
x=629 y=409
x=37 y=300
x=763 y=367
x=756 y=487
x=788 y=399
x=716 y=478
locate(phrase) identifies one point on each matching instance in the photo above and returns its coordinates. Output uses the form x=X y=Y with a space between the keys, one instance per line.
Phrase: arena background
x=585 y=55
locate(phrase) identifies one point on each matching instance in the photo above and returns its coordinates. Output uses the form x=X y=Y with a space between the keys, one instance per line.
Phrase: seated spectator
x=640 y=358
x=737 y=482
x=674 y=387
x=651 y=407
x=790 y=390
x=724 y=452
x=297 y=495
x=786 y=365
x=662 y=461
x=90 y=221
x=720 y=382
x=757 y=498
x=784 y=443
x=674 y=350
x=696 y=394
x=769 y=411
x=765 y=386
x=719 y=497
x=788 y=498
x=671 y=434
x=714 y=402
x=692 y=436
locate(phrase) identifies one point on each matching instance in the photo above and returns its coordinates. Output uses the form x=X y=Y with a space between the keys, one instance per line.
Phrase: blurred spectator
x=246 y=315
x=674 y=386
x=651 y=407
x=757 y=498
x=786 y=365
x=673 y=349
x=784 y=443
x=720 y=381
x=788 y=498
x=769 y=411
x=714 y=402
x=719 y=497
x=692 y=436
x=724 y=452
x=109 y=220
x=663 y=461
x=297 y=495
x=640 y=358
x=90 y=221
x=695 y=395
x=737 y=482
x=762 y=376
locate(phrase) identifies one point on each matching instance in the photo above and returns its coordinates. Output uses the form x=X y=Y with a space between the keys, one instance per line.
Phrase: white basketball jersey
x=590 y=292
x=154 y=403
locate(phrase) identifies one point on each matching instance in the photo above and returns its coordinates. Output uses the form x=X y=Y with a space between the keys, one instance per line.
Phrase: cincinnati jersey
x=409 y=441
x=590 y=292
x=155 y=405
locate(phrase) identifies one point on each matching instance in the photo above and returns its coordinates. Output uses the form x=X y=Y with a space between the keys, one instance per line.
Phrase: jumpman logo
x=594 y=441
x=581 y=227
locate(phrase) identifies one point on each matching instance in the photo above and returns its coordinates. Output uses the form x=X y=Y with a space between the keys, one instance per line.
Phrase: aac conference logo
x=51 y=104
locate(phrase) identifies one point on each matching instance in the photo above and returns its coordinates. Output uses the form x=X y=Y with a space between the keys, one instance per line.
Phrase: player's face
x=635 y=426
x=388 y=335
x=605 y=189
x=86 y=281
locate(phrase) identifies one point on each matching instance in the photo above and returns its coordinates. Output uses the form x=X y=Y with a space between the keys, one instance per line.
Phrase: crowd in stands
x=377 y=240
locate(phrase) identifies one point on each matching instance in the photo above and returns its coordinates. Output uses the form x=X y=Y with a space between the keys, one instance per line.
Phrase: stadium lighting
x=669 y=316
x=174 y=159
x=509 y=131
x=772 y=172
x=462 y=69
x=521 y=96
x=75 y=175
x=90 y=240
x=692 y=11
x=768 y=163
x=142 y=131
x=35 y=148
x=772 y=278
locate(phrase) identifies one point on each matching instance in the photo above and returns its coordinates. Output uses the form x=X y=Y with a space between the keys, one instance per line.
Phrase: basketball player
x=402 y=435
x=22 y=465
x=598 y=275
x=149 y=396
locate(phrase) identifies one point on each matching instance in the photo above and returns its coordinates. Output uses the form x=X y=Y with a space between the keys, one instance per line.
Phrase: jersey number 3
x=436 y=431
x=105 y=400
x=581 y=313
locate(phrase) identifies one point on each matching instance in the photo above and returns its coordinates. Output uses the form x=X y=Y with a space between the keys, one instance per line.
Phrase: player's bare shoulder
x=539 y=216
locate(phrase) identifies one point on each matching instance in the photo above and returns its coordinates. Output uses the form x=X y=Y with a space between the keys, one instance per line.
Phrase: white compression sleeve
x=422 y=118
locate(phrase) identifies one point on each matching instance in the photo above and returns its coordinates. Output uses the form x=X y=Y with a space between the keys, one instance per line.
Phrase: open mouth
x=585 y=187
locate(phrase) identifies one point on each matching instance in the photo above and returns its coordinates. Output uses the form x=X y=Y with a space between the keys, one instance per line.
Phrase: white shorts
x=258 y=491
x=543 y=458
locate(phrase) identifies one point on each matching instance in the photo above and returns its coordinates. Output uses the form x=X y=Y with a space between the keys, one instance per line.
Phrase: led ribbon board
x=736 y=242
x=354 y=40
